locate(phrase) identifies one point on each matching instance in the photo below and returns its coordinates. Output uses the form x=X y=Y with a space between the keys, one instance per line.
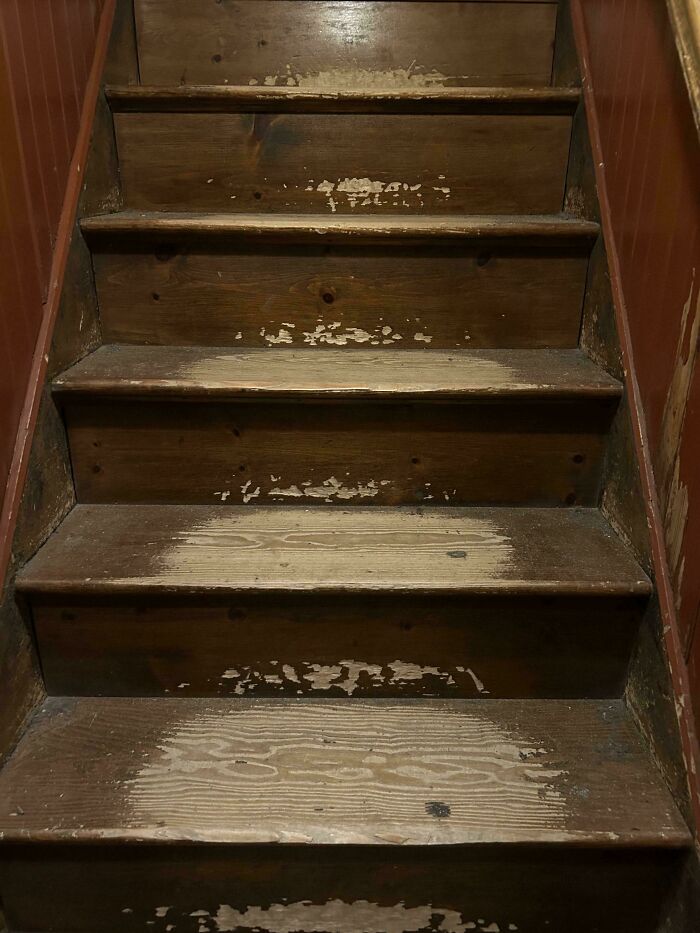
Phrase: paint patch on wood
x=335 y=916
x=415 y=76
x=368 y=192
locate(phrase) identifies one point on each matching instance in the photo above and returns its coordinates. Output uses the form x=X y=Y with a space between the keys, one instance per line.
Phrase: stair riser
x=295 y=453
x=436 y=297
x=344 y=163
x=350 y=889
x=382 y=646
x=344 y=44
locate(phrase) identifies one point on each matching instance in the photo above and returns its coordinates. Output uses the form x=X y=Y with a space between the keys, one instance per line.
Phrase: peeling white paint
x=330 y=488
x=422 y=338
x=336 y=916
x=369 y=192
x=247 y=496
x=223 y=495
x=414 y=75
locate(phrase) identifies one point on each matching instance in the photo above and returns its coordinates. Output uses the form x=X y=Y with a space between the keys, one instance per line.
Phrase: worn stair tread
x=324 y=228
x=101 y=549
x=193 y=372
x=245 y=98
x=330 y=773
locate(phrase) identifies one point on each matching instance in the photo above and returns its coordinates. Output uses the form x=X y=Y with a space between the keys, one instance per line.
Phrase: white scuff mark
x=239 y=335
x=292 y=492
x=290 y=674
x=403 y=671
x=336 y=916
x=223 y=495
x=247 y=496
x=422 y=338
x=162 y=911
x=282 y=336
x=477 y=683
x=443 y=190
x=230 y=674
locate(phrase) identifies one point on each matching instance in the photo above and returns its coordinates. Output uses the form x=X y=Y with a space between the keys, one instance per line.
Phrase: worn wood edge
x=22 y=454
x=246 y=99
x=83 y=379
x=685 y=23
x=546 y=229
x=671 y=636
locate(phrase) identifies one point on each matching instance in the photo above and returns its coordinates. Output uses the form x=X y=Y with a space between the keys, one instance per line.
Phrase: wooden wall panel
x=650 y=152
x=46 y=52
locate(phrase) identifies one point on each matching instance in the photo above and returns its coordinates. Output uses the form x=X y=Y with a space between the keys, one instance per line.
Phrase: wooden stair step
x=520 y=230
x=228 y=99
x=444 y=283
x=239 y=816
x=389 y=372
x=214 y=549
x=509 y=772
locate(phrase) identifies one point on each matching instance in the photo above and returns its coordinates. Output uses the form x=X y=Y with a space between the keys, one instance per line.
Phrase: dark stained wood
x=336 y=647
x=202 y=372
x=345 y=44
x=353 y=889
x=226 y=99
x=335 y=773
x=208 y=549
x=488 y=451
x=344 y=163
x=437 y=296
x=122 y=66
x=324 y=228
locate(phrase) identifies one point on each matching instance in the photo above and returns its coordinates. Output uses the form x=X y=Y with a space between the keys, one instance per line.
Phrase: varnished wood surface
x=345 y=43
x=201 y=549
x=369 y=772
x=347 y=163
x=196 y=372
x=451 y=295
x=336 y=647
x=227 y=99
x=379 y=451
x=325 y=228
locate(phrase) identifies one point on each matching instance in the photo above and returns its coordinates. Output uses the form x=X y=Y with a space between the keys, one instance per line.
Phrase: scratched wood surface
x=488 y=450
x=369 y=772
x=321 y=229
x=226 y=99
x=343 y=163
x=208 y=549
x=345 y=43
x=336 y=647
x=437 y=297
x=203 y=372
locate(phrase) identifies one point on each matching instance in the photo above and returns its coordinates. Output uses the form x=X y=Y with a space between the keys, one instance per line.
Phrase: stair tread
x=212 y=371
x=324 y=772
x=200 y=549
x=331 y=227
x=230 y=98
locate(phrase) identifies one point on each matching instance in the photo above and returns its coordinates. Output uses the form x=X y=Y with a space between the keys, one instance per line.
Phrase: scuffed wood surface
x=227 y=99
x=324 y=228
x=344 y=44
x=369 y=772
x=121 y=548
x=347 y=163
x=194 y=372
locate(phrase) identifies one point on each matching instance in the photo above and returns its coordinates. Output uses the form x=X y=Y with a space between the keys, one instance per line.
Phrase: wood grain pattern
x=316 y=162
x=209 y=549
x=336 y=773
x=336 y=647
x=201 y=372
x=525 y=230
x=226 y=99
x=345 y=43
x=490 y=451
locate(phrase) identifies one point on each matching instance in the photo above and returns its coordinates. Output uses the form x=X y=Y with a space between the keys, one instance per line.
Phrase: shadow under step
x=235 y=601
x=381 y=426
x=278 y=815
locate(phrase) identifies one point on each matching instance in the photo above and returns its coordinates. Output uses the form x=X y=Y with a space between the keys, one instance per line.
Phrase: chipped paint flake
x=336 y=79
x=247 y=496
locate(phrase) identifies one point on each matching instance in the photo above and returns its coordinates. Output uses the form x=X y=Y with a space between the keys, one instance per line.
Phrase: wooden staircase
x=336 y=636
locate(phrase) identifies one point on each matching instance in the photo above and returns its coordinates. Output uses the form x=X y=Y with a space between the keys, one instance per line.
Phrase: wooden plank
x=456 y=452
x=226 y=99
x=208 y=549
x=324 y=228
x=273 y=772
x=201 y=372
x=319 y=162
x=442 y=297
x=336 y=647
x=345 y=43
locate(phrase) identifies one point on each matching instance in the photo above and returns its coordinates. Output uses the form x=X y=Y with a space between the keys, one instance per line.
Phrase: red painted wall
x=651 y=160
x=46 y=52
